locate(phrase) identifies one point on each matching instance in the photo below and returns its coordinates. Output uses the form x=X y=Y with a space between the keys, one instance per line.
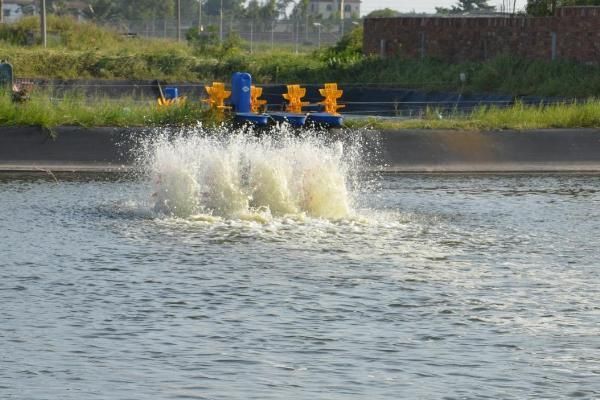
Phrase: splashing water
x=236 y=175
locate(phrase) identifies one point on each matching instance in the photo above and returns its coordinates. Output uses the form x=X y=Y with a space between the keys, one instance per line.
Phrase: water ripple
x=442 y=287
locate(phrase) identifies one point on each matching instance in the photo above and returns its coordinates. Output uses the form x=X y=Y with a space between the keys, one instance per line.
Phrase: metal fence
x=360 y=99
x=285 y=32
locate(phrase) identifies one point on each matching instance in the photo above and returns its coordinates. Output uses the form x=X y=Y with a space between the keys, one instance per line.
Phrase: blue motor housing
x=296 y=120
x=6 y=76
x=171 y=93
x=253 y=119
x=325 y=119
x=241 y=83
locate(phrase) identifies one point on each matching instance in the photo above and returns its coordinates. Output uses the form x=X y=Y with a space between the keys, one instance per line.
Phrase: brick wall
x=573 y=34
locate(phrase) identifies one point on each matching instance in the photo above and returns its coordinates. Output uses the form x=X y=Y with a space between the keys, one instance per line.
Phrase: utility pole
x=1 y=11
x=342 y=15
x=43 y=23
x=297 y=26
x=318 y=25
x=179 y=20
x=200 y=27
x=306 y=24
x=221 y=24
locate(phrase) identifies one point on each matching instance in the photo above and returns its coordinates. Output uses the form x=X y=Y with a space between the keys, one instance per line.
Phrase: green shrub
x=47 y=110
x=84 y=50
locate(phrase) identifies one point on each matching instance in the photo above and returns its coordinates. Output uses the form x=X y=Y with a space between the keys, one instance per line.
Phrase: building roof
x=335 y=1
x=78 y=4
x=19 y=2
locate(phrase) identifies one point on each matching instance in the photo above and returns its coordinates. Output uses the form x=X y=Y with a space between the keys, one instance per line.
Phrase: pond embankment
x=77 y=149
x=549 y=150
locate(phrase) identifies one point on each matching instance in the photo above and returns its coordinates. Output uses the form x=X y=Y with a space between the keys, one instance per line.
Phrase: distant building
x=14 y=10
x=327 y=8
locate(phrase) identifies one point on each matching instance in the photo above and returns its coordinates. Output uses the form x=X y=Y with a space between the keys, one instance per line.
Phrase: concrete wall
x=71 y=145
x=107 y=149
x=574 y=150
x=573 y=34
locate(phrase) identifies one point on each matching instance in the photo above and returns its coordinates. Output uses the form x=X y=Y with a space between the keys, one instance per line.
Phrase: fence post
x=221 y=23
x=382 y=48
x=179 y=20
x=43 y=23
x=554 y=50
x=200 y=28
x=272 y=34
x=297 y=28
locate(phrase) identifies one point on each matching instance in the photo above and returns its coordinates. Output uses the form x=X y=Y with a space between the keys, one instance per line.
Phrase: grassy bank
x=80 y=50
x=45 y=111
x=73 y=110
x=518 y=117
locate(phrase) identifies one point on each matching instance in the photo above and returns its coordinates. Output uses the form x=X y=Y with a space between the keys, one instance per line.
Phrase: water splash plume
x=235 y=174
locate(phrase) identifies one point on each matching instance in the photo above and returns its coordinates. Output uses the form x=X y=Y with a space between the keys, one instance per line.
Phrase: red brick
x=457 y=39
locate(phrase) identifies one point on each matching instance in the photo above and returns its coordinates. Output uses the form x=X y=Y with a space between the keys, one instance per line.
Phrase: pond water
x=453 y=287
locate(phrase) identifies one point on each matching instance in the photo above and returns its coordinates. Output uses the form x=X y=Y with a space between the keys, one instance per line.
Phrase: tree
x=252 y=10
x=282 y=6
x=203 y=40
x=383 y=13
x=264 y=14
x=300 y=9
x=467 y=6
x=113 y=10
x=146 y=9
x=231 y=7
x=541 y=8
x=269 y=12
x=102 y=11
x=58 y=7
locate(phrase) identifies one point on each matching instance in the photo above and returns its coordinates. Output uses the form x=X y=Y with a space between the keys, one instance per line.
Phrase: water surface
x=449 y=287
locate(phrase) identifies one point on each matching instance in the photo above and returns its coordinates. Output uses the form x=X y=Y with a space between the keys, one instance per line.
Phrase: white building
x=14 y=10
x=328 y=8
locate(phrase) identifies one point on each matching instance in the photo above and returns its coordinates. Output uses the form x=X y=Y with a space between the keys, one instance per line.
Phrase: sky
x=418 y=5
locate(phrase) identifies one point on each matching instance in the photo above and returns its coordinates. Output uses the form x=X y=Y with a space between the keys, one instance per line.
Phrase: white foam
x=236 y=175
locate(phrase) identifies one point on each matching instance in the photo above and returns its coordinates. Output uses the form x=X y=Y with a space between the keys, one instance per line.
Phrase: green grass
x=83 y=50
x=518 y=117
x=73 y=110
x=76 y=110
